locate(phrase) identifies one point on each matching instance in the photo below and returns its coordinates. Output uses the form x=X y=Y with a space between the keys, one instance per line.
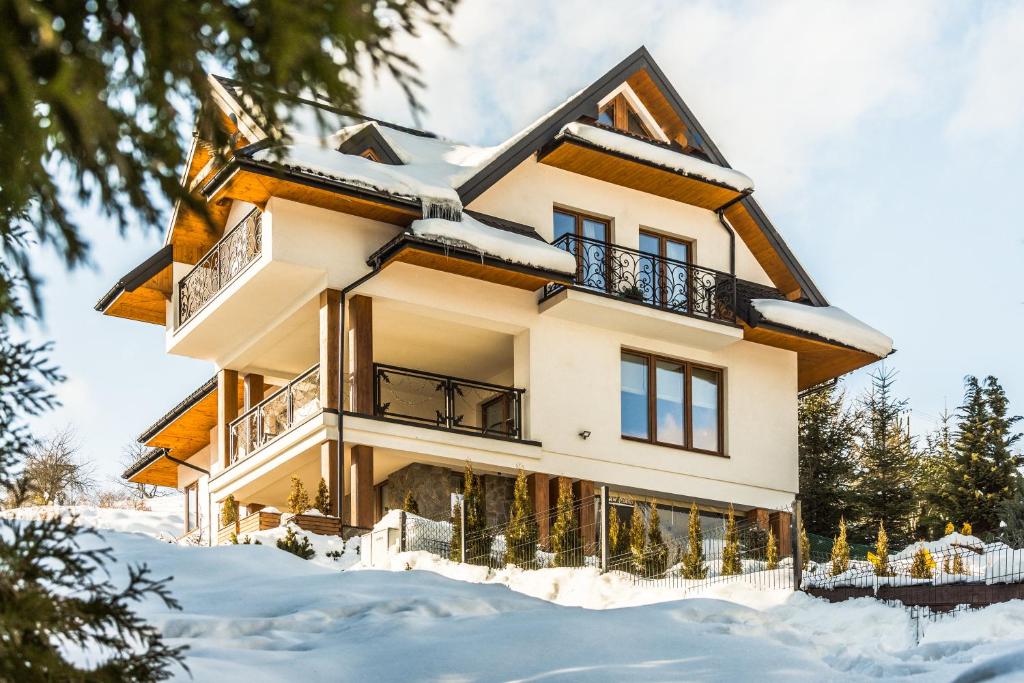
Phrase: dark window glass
x=607 y=115
x=192 y=507
x=668 y=382
x=634 y=396
x=565 y=224
x=636 y=126
x=705 y=392
x=496 y=416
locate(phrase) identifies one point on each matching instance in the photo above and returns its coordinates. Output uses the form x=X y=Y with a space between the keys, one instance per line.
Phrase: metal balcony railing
x=447 y=402
x=650 y=279
x=239 y=247
x=287 y=407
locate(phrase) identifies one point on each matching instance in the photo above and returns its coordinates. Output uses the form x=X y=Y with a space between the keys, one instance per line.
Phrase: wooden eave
x=578 y=156
x=142 y=294
x=419 y=252
x=780 y=273
x=159 y=470
x=818 y=360
x=185 y=430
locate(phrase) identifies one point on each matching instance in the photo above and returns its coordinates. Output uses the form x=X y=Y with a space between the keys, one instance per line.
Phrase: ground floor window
x=191 y=507
x=671 y=402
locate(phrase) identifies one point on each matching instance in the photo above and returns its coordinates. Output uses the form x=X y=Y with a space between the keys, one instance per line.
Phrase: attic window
x=369 y=154
x=619 y=113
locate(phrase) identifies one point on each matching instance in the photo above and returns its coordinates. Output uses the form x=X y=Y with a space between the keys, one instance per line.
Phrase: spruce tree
x=828 y=432
x=322 y=502
x=1005 y=463
x=1011 y=514
x=478 y=536
x=922 y=566
x=880 y=558
x=616 y=538
x=638 y=540
x=840 y=551
x=409 y=503
x=887 y=463
x=521 y=531
x=657 y=551
x=805 y=547
x=731 y=562
x=771 y=551
x=455 y=548
x=937 y=461
x=565 y=534
x=693 y=560
x=298 y=499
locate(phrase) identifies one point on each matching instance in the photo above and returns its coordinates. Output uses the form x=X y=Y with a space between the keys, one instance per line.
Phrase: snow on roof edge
x=829 y=322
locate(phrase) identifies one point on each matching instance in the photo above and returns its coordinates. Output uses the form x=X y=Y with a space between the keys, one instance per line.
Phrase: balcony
x=649 y=280
x=288 y=407
x=448 y=403
x=235 y=251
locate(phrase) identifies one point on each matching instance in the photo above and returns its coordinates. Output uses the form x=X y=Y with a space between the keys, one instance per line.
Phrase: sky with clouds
x=884 y=139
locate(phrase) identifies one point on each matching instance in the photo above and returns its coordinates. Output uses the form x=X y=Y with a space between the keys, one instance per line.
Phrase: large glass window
x=191 y=507
x=635 y=420
x=671 y=402
x=664 y=277
x=589 y=247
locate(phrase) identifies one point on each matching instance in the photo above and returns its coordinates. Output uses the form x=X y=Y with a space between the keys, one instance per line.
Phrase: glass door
x=663 y=271
x=588 y=242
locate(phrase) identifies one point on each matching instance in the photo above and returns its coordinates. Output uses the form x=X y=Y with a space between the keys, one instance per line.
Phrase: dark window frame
x=652 y=400
x=579 y=217
x=194 y=486
x=663 y=238
x=506 y=409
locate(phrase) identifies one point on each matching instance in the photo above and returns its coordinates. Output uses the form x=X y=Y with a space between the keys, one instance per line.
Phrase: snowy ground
x=255 y=613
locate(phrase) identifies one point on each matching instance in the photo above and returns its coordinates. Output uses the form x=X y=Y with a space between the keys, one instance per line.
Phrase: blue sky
x=884 y=140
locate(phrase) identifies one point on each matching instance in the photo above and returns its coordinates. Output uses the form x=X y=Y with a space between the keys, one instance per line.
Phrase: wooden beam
x=330 y=349
x=254 y=390
x=227 y=410
x=361 y=487
x=361 y=349
x=583 y=493
x=538 y=484
x=330 y=470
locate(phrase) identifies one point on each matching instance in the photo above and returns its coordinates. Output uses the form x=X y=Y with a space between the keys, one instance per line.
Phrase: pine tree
x=880 y=558
x=840 y=551
x=693 y=560
x=731 y=562
x=827 y=436
x=805 y=547
x=322 y=502
x=228 y=512
x=565 y=535
x=521 y=531
x=295 y=544
x=298 y=499
x=771 y=552
x=478 y=536
x=937 y=460
x=1011 y=513
x=922 y=566
x=616 y=538
x=1004 y=475
x=887 y=464
x=455 y=548
x=409 y=503
x=638 y=540
x=657 y=551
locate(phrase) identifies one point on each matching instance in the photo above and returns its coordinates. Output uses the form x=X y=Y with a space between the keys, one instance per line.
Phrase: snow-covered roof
x=829 y=322
x=469 y=233
x=657 y=155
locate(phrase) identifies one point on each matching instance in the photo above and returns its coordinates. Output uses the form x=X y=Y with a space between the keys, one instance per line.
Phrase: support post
x=361 y=352
x=253 y=389
x=796 y=522
x=361 y=487
x=583 y=493
x=540 y=500
x=330 y=470
x=330 y=392
x=462 y=532
x=604 y=528
x=227 y=410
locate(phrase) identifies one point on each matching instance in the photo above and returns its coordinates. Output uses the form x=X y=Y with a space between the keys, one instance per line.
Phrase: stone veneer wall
x=498 y=492
x=432 y=487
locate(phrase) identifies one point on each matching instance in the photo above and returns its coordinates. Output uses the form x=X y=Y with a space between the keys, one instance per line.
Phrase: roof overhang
x=580 y=156
x=142 y=294
x=185 y=429
x=409 y=248
x=154 y=468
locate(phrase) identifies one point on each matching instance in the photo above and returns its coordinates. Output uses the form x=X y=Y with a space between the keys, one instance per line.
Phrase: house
x=599 y=298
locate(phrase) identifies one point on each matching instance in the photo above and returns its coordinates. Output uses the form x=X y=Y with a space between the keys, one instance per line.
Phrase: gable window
x=588 y=237
x=621 y=112
x=368 y=153
x=191 y=507
x=671 y=402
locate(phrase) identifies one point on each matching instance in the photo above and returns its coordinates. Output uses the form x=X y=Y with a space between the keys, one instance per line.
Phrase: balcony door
x=586 y=237
x=663 y=271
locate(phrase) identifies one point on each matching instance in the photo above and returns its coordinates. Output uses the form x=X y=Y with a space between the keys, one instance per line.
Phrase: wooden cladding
x=817 y=361
x=161 y=472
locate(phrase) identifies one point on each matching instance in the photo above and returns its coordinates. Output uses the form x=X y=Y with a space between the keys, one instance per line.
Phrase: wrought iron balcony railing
x=287 y=407
x=650 y=279
x=239 y=247
x=460 y=405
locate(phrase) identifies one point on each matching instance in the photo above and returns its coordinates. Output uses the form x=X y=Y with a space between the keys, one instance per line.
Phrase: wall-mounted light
x=585 y=434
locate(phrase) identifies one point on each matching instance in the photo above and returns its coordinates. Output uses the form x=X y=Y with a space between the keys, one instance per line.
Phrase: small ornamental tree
x=565 y=531
x=966 y=529
x=805 y=547
x=409 y=503
x=731 y=562
x=228 y=512
x=693 y=560
x=923 y=564
x=949 y=529
x=638 y=540
x=521 y=532
x=455 y=552
x=616 y=538
x=657 y=551
x=322 y=502
x=840 y=551
x=772 y=552
x=880 y=558
x=295 y=544
x=478 y=537
x=298 y=499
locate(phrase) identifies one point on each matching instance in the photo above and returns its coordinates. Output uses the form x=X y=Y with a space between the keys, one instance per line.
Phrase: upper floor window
x=671 y=402
x=588 y=236
x=618 y=113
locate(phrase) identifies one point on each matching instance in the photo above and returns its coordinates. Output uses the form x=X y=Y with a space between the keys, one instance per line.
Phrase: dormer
x=368 y=143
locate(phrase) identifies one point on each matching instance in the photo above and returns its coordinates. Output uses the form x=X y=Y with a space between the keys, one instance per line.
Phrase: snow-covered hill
x=255 y=613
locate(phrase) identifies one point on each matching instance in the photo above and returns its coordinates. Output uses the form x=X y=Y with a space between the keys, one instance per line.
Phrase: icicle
x=449 y=210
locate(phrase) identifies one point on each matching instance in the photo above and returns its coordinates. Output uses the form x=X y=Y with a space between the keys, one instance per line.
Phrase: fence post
x=462 y=531
x=401 y=532
x=796 y=523
x=603 y=521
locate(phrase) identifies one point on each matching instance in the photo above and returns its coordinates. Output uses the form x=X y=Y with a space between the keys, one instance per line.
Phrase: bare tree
x=54 y=471
x=133 y=491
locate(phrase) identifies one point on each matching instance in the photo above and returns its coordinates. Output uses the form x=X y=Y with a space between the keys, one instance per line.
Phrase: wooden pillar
x=330 y=391
x=361 y=352
x=253 y=390
x=227 y=410
x=361 y=487
x=780 y=523
x=583 y=495
x=758 y=517
x=554 y=486
x=537 y=484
